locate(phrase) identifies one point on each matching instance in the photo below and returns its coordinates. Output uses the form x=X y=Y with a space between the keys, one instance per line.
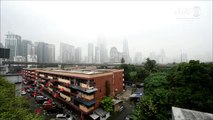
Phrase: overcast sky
x=149 y=26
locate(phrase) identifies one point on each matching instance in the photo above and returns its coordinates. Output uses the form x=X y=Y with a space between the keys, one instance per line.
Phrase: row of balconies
x=83 y=87
x=81 y=105
x=85 y=96
x=62 y=88
x=85 y=109
x=67 y=98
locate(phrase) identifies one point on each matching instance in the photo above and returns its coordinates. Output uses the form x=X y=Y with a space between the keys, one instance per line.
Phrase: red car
x=48 y=105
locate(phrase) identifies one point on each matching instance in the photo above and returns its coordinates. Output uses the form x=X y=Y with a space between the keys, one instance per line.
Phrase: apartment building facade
x=81 y=89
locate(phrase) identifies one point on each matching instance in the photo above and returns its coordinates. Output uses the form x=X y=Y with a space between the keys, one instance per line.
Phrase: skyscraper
x=162 y=56
x=97 y=55
x=67 y=53
x=42 y=52
x=26 y=48
x=32 y=56
x=126 y=51
x=101 y=44
x=51 y=53
x=90 y=53
x=78 y=55
x=114 y=55
x=13 y=42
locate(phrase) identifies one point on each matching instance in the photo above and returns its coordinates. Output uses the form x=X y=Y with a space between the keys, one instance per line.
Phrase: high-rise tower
x=126 y=51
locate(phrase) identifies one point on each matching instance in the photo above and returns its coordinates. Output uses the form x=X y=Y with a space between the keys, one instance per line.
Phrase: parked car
x=47 y=105
x=23 y=93
x=64 y=117
x=54 y=110
x=25 y=82
x=34 y=94
x=30 y=90
x=40 y=99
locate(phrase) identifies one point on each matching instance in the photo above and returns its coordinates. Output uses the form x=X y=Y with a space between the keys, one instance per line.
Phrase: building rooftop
x=82 y=73
x=186 y=114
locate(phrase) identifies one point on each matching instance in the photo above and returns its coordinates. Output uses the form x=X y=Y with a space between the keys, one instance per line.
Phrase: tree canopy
x=106 y=104
x=188 y=85
x=12 y=107
x=150 y=65
x=122 y=60
x=134 y=73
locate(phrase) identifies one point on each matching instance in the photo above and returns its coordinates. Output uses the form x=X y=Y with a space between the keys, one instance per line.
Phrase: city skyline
x=178 y=33
x=73 y=54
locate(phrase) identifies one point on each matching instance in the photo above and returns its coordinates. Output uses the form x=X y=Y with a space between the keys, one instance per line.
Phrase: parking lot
x=47 y=106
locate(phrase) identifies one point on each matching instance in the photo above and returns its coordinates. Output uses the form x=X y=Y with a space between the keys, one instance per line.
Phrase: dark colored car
x=54 y=110
x=40 y=99
x=30 y=90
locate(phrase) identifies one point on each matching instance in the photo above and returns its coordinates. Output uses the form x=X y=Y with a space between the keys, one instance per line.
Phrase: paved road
x=127 y=110
x=34 y=106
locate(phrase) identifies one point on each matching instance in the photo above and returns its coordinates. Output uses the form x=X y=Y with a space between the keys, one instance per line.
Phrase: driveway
x=128 y=108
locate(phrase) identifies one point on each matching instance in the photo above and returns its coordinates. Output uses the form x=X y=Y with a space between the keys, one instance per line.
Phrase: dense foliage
x=188 y=85
x=12 y=107
x=107 y=104
x=122 y=60
x=150 y=65
x=134 y=73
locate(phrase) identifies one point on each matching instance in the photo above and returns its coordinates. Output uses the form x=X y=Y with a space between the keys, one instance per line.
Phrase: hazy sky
x=149 y=26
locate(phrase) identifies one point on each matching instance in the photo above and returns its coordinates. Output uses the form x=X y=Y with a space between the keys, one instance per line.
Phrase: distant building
x=78 y=55
x=67 y=53
x=114 y=55
x=44 y=52
x=162 y=56
x=101 y=44
x=97 y=55
x=40 y=48
x=103 y=53
x=51 y=53
x=26 y=48
x=13 y=42
x=90 y=53
x=125 y=53
x=183 y=57
x=138 y=58
x=19 y=59
x=31 y=58
x=1 y=45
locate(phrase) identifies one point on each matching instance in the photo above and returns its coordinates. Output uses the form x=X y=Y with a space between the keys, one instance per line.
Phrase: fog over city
x=174 y=28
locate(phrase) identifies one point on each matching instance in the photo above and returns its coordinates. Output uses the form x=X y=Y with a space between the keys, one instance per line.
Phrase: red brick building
x=81 y=89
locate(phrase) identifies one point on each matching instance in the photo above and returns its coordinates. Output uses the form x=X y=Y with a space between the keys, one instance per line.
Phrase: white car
x=63 y=117
x=23 y=93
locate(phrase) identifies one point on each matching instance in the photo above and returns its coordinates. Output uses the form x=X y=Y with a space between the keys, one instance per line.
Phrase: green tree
x=150 y=65
x=133 y=76
x=142 y=74
x=106 y=104
x=157 y=95
x=188 y=85
x=122 y=60
x=145 y=109
x=192 y=86
x=132 y=72
x=12 y=107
